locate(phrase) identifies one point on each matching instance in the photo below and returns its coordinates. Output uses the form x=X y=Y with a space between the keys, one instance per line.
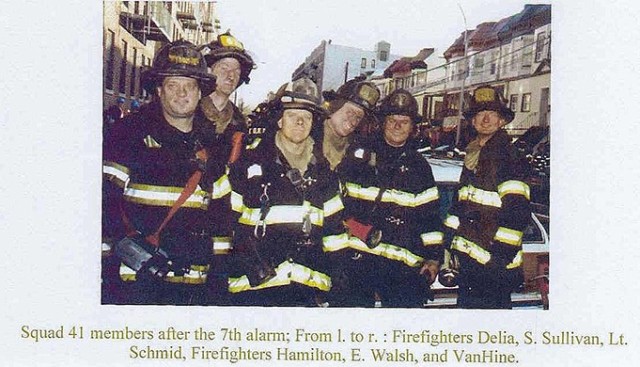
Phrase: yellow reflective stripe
x=452 y=221
x=474 y=251
x=398 y=253
x=115 y=173
x=483 y=197
x=286 y=273
x=221 y=245
x=163 y=196
x=150 y=142
x=392 y=252
x=196 y=275
x=254 y=144
x=127 y=274
x=427 y=196
x=514 y=187
x=279 y=214
x=337 y=242
x=358 y=192
x=237 y=202
x=517 y=261
x=332 y=206
x=221 y=187
x=432 y=238
x=399 y=197
x=508 y=236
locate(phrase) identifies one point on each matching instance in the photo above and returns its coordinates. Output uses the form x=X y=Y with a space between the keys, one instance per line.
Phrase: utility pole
x=346 y=71
x=464 y=77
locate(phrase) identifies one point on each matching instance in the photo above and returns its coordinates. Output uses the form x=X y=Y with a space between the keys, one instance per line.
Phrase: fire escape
x=152 y=23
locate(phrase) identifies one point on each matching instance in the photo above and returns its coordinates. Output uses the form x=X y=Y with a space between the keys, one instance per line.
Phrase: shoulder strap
x=189 y=189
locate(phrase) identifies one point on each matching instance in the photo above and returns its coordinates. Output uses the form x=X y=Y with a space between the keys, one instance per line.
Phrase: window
x=110 y=50
x=363 y=63
x=373 y=63
x=514 y=58
x=527 y=55
x=462 y=69
x=526 y=102
x=123 y=68
x=505 y=58
x=540 y=43
x=144 y=62
x=384 y=56
x=493 y=61
x=478 y=61
x=134 y=72
x=513 y=102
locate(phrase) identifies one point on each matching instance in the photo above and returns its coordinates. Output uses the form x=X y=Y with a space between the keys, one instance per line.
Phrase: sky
x=281 y=34
x=51 y=170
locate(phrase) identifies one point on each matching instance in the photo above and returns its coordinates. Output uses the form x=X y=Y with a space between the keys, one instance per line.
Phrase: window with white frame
x=493 y=61
x=527 y=51
x=540 y=42
x=505 y=58
x=478 y=61
x=363 y=63
x=513 y=102
x=526 y=102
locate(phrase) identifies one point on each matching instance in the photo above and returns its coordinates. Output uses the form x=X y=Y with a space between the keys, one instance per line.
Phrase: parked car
x=535 y=242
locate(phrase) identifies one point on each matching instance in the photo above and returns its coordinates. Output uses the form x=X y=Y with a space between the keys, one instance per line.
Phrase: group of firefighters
x=309 y=213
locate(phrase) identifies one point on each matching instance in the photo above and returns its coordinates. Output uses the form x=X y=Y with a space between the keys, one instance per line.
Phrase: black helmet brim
x=152 y=78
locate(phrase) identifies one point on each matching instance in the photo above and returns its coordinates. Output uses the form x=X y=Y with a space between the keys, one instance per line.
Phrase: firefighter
x=287 y=204
x=491 y=210
x=391 y=211
x=349 y=107
x=231 y=64
x=152 y=158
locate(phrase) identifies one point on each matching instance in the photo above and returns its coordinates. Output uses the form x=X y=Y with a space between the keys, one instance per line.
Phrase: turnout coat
x=487 y=220
x=286 y=219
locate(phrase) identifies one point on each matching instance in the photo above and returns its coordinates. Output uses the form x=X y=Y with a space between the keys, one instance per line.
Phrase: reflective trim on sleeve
x=427 y=196
x=332 y=206
x=115 y=173
x=254 y=144
x=432 y=238
x=196 y=275
x=517 y=261
x=221 y=245
x=286 y=273
x=237 y=202
x=482 y=197
x=398 y=197
x=336 y=241
x=279 y=214
x=385 y=250
x=514 y=187
x=452 y=221
x=163 y=196
x=508 y=236
x=150 y=142
x=474 y=251
x=221 y=187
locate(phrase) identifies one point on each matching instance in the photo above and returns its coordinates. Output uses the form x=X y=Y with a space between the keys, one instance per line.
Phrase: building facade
x=134 y=30
x=512 y=54
x=330 y=65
